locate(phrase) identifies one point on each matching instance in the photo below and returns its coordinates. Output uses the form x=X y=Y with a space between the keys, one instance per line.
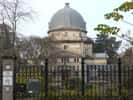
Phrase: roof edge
x=66 y=29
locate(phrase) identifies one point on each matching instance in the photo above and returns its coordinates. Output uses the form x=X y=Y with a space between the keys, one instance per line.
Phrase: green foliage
x=131 y=42
x=116 y=16
x=112 y=91
x=105 y=43
x=99 y=45
x=70 y=92
x=106 y=29
x=126 y=6
x=74 y=83
x=93 y=90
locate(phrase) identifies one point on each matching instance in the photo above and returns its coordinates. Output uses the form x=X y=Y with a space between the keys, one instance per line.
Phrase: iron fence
x=90 y=82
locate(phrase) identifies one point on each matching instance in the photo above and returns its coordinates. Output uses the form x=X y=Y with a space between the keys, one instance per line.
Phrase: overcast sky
x=92 y=11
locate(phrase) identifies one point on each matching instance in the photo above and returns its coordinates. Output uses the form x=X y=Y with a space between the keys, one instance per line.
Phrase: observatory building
x=67 y=30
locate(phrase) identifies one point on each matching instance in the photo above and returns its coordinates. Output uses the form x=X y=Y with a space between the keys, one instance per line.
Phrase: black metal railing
x=65 y=82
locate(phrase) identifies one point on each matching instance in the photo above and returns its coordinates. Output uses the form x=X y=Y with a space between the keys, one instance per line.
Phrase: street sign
x=7 y=73
x=7 y=78
x=7 y=81
x=8 y=66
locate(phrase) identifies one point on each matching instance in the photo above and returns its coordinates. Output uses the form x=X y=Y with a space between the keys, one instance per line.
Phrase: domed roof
x=67 y=18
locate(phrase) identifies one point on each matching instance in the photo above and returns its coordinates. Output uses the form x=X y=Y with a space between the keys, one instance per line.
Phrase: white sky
x=92 y=11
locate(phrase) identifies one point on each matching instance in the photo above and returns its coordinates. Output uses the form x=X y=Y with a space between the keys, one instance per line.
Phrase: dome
x=67 y=18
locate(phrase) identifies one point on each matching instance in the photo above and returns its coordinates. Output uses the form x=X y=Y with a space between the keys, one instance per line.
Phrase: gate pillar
x=8 y=64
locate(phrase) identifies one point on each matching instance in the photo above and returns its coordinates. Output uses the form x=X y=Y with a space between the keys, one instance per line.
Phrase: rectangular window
x=65 y=46
x=77 y=59
x=86 y=51
x=62 y=60
x=74 y=59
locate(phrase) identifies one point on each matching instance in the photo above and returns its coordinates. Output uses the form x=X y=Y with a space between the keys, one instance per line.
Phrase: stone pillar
x=8 y=64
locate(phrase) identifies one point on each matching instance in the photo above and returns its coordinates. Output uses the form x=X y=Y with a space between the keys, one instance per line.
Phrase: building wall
x=100 y=61
x=67 y=35
x=73 y=42
x=70 y=47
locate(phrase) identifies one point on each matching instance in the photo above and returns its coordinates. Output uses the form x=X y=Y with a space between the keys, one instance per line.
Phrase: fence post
x=46 y=77
x=119 y=75
x=83 y=78
x=8 y=66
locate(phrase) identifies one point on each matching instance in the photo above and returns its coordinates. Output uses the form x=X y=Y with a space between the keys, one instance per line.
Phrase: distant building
x=100 y=58
x=67 y=29
x=127 y=56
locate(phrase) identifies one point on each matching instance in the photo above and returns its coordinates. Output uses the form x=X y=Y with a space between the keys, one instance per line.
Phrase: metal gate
x=91 y=82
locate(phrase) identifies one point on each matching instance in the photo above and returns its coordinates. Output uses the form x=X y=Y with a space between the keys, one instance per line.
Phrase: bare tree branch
x=13 y=12
x=129 y=23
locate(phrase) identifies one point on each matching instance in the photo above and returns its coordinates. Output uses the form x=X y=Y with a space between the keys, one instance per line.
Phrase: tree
x=107 y=44
x=117 y=15
x=12 y=12
x=100 y=42
x=29 y=48
x=35 y=48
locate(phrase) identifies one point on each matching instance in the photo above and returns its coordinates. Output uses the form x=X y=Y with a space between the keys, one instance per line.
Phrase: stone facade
x=67 y=29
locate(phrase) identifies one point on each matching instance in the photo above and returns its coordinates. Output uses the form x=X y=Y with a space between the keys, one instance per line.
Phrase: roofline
x=71 y=41
x=66 y=29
